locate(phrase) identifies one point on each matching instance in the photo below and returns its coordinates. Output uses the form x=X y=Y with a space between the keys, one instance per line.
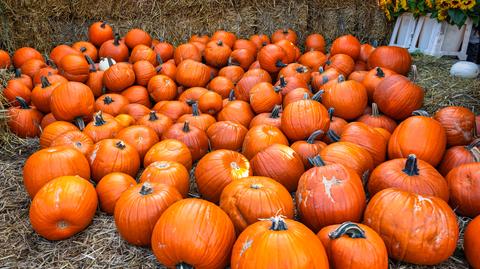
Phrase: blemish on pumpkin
x=246 y=246
x=62 y=224
x=328 y=184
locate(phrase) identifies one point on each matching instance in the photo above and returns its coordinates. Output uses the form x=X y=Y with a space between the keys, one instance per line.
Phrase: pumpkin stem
x=330 y=113
x=324 y=80
x=283 y=82
x=313 y=136
x=321 y=70
x=49 y=62
x=190 y=102
x=83 y=49
x=375 y=112
x=98 y=119
x=45 y=82
x=146 y=188
x=316 y=161
x=279 y=63
x=91 y=63
x=183 y=266
x=116 y=40
x=158 y=68
x=120 y=144
x=333 y=136
x=18 y=72
x=328 y=62
x=341 y=78
x=159 y=59
x=219 y=43
x=103 y=24
x=256 y=186
x=264 y=43
x=348 y=228
x=476 y=154
x=414 y=73
x=22 y=102
x=195 y=111
x=411 y=167
x=78 y=121
x=109 y=61
x=375 y=43
x=301 y=69
x=152 y=116
x=186 y=127
x=278 y=224
x=473 y=144
x=231 y=95
x=276 y=112
x=107 y=100
x=420 y=112
x=318 y=96
x=380 y=72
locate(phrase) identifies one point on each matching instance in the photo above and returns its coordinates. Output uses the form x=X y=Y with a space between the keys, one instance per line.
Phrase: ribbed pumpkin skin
x=394 y=58
x=377 y=120
x=169 y=150
x=169 y=173
x=142 y=138
x=348 y=98
x=110 y=187
x=253 y=198
x=136 y=211
x=237 y=111
x=205 y=220
x=391 y=174
x=368 y=138
x=406 y=221
x=71 y=100
x=464 y=183
x=471 y=242
x=459 y=124
x=456 y=156
x=47 y=164
x=217 y=169
x=192 y=74
x=53 y=130
x=419 y=135
x=119 y=77
x=346 y=44
x=261 y=137
x=260 y=238
x=63 y=207
x=350 y=155
x=226 y=135
x=330 y=194
x=74 y=139
x=354 y=253
x=195 y=138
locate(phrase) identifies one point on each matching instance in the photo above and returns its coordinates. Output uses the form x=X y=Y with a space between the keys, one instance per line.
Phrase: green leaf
x=457 y=17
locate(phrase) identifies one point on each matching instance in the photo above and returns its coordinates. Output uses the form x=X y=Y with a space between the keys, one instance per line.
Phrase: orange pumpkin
x=169 y=150
x=346 y=44
x=392 y=57
x=102 y=127
x=226 y=135
x=100 y=32
x=169 y=173
x=377 y=120
x=74 y=139
x=74 y=67
x=137 y=95
x=115 y=49
x=111 y=103
x=309 y=148
x=459 y=124
x=464 y=184
x=315 y=42
x=195 y=138
x=192 y=74
x=471 y=242
x=347 y=97
x=136 y=37
x=342 y=63
x=350 y=155
x=260 y=137
x=373 y=78
x=72 y=101
x=110 y=187
x=24 y=121
x=141 y=137
x=458 y=155
x=119 y=77
x=54 y=130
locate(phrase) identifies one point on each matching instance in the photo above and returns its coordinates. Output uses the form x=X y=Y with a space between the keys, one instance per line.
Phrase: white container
x=403 y=31
x=453 y=37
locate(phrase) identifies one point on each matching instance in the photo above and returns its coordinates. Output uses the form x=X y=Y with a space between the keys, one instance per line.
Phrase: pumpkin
x=226 y=135
x=137 y=111
x=110 y=187
x=361 y=66
x=199 y=38
x=72 y=101
x=253 y=198
x=187 y=51
x=217 y=169
x=192 y=74
x=217 y=53
x=158 y=122
x=329 y=194
x=350 y=155
x=47 y=120
x=74 y=67
x=272 y=58
x=464 y=184
x=191 y=95
x=125 y=120
x=301 y=118
x=74 y=139
x=260 y=40
x=162 y=88
x=111 y=103
x=137 y=95
x=377 y=120
x=237 y=111
x=358 y=76
x=249 y=80
x=408 y=174
x=63 y=207
x=50 y=73
x=346 y=44
x=169 y=150
x=19 y=77
x=419 y=135
x=315 y=42
x=100 y=32
x=54 y=130
x=373 y=78
x=16 y=88
x=221 y=85
x=32 y=66
x=143 y=53
x=210 y=103
x=115 y=49
x=172 y=109
x=249 y=45
x=207 y=221
x=21 y=55
x=126 y=159
x=5 y=61
x=136 y=37
x=41 y=95
x=289 y=48
x=471 y=242
x=313 y=59
x=226 y=37
x=458 y=155
x=352 y=245
x=232 y=72
x=398 y=97
x=119 y=77
x=321 y=77
x=144 y=71
x=272 y=118
x=102 y=127
x=164 y=50
x=365 y=51
x=279 y=162
x=95 y=79
x=241 y=57
x=342 y=63
x=396 y=215
x=138 y=209
x=24 y=121
x=195 y=138
x=201 y=121
x=60 y=51
x=285 y=33
x=347 y=97
x=86 y=48
x=168 y=69
x=260 y=137
x=272 y=237
x=168 y=172
x=264 y=97
x=394 y=58
x=459 y=124
x=296 y=95
x=337 y=125
x=296 y=70
x=309 y=148
x=141 y=137
x=68 y=162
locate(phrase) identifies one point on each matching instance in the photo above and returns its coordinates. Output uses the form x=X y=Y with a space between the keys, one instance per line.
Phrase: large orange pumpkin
x=195 y=138
x=464 y=184
x=192 y=74
x=72 y=101
x=347 y=44
x=141 y=137
x=24 y=121
x=226 y=135
x=169 y=150
x=394 y=58
x=119 y=77
x=347 y=97
x=458 y=155
x=169 y=173
x=459 y=124
x=260 y=137
x=377 y=120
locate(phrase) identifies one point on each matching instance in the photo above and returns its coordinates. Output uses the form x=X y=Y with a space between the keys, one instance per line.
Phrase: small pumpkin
x=458 y=155
x=144 y=71
x=187 y=51
x=24 y=121
x=110 y=187
x=102 y=127
x=111 y=103
x=392 y=57
x=195 y=138
x=164 y=50
x=346 y=44
x=141 y=137
x=464 y=184
x=142 y=53
x=260 y=40
x=53 y=130
x=137 y=95
x=285 y=33
x=74 y=139
x=74 y=67
x=158 y=122
x=309 y=148
x=272 y=58
x=5 y=61
x=373 y=78
x=321 y=77
x=100 y=32
x=86 y=48
x=119 y=77
x=248 y=81
x=313 y=59
x=136 y=37
x=95 y=79
x=16 y=88
x=162 y=88
x=232 y=72
x=192 y=74
x=32 y=66
x=217 y=53
x=226 y=135
x=337 y=125
x=237 y=111
x=23 y=54
x=459 y=124
x=228 y=38
x=41 y=95
x=347 y=97
x=210 y=103
x=315 y=42
x=168 y=172
x=191 y=95
x=260 y=137
x=342 y=63
x=470 y=242
x=169 y=150
x=137 y=111
x=172 y=109
x=60 y=51
x=350 y=155
x=201 y=121
x=264 y=97
x=296 y=70
x=377 y=120
x=272 y=118
x=114 y=49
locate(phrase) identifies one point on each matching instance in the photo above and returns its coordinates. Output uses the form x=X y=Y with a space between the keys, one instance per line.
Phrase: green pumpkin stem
x=120 y=144
x=195 y=111
x=116 y=40
x=183 y=266
x=278 y=224
x=476 y=154
x=18 y=72
x=220 y=43
x=333 y=136
x=348 y=228
x=380 y=72
x=375 y=111
x=146 y=188
x=78 y=121
x=279 y=63
x=91 y=63
x=318 y=96
x=301 y=69
x=231 y=95
x=420 y=112
x=331 y=110
x=375 y=43
x=107 y=100
x=276 y=112
x=45 y=82
x=22 y=102
x=83 y=49
x=152 y=116
x=98 y=119
x=411 y=167
x=283 y=82
x=314 y=135
x=109 y=61
x=341 y=78
x=316 y=161
x=321 y=69
x=159 y=59
x=186 y=127
x=103 y=24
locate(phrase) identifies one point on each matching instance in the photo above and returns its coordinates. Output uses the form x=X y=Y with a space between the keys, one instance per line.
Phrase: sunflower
x=442 y=4
x=429 y=3
x=467 y=4
x=456 y=4
x=442 y=14
x=404 y=4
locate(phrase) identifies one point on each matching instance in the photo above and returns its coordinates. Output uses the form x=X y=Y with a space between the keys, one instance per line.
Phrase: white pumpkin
x=105 y=63
x=464 y=69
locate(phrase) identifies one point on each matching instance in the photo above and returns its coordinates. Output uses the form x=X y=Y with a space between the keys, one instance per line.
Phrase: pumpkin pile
x=122 y=121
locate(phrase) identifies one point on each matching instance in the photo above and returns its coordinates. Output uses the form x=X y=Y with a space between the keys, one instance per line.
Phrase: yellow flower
x=397 y=6
x=442 y=4
x=429 y=3
x=387 y=13
x=404 y=4
x=467 y=4
x=442 y=14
